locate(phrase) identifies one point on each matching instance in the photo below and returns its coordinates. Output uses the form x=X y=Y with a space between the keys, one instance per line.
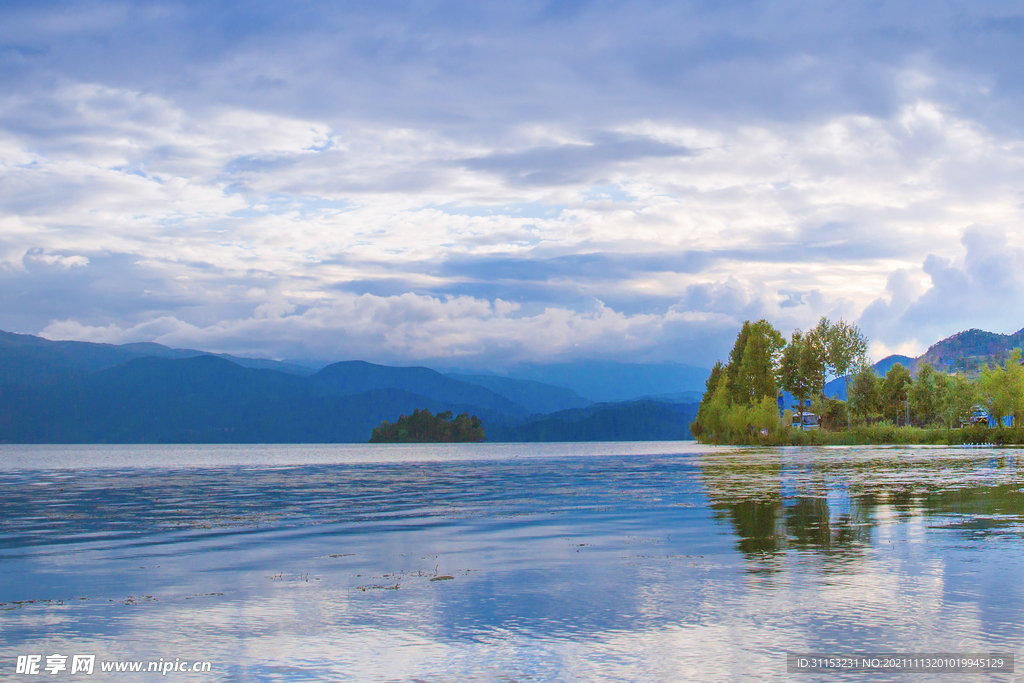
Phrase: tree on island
x=424 y=427
x=957 y=395
x=740 y=401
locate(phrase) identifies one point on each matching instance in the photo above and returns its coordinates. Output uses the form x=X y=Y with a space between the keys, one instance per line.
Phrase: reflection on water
x=830 y=500
x=561 y=562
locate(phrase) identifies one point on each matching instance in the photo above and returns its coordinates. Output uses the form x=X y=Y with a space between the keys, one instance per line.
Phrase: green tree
x=957 y=397
x=1015 y=386
x=924 y=394
x=716 y=380
x=803 y=367
x=894 y=391
x=753 y=363
x=759 y=368
x=733 y=367
x=845 y=348
x=713 y=416
x=864 y=391
x=716 y=377
x=1002 y=388
x=423 y=427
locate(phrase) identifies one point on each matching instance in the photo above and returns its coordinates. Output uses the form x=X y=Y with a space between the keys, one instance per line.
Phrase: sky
x=481 y=184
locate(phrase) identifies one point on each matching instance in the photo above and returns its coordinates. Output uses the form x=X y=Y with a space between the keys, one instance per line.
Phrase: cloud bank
x=475 y=185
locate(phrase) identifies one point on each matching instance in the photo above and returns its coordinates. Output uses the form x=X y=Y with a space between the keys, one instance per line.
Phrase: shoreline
x=881 y=435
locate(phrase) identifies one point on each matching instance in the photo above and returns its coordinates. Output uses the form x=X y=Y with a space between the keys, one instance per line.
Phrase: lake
x=506 y=562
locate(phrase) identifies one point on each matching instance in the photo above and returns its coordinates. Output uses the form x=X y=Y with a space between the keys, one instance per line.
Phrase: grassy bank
x=881 y=435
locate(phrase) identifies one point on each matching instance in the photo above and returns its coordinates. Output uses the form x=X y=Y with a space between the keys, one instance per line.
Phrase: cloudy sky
x=478 y=184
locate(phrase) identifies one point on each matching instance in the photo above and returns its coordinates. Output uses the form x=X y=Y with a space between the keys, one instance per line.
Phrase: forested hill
x=969 y=351
x=979 y=346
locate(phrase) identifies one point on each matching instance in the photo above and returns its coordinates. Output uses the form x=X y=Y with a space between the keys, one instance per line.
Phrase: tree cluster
x=741 y=396
x=740 y=402
x=424 y=427
x=934 y=399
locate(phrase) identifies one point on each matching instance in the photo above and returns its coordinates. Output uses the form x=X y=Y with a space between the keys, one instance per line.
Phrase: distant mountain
x=353 y=377
x=968 y=351
x=627 y=421
x=25 y=359
x=81 y=392
x=610 y=381
x=676 y=397
x=883 y=366
x=837 y=387
x=971 y=349
x=204 y=399
x=536 y=397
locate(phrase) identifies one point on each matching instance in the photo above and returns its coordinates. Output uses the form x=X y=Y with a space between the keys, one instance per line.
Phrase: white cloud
x=388 y=328
x=983 y=287
x=75 y=261
x=290 y=237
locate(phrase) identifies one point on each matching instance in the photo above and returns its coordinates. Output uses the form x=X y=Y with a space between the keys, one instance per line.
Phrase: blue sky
x=479 y=184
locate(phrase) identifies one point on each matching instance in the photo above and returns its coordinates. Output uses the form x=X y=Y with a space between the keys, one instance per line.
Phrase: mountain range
x=613 y=381
x=81 y=392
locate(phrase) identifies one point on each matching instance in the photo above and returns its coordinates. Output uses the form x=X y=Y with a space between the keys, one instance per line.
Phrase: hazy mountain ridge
x=79 y=392
x=627 y=421
x=63 y=391
x=537 y=397
x=601 y=380
x=353 y=377
x=27 y=359
x=203 y=399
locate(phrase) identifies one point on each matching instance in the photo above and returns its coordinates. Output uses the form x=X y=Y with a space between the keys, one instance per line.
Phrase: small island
x=424 y=427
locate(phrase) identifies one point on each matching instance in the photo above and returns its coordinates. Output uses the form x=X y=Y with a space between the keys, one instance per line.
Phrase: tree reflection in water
x=828 y=501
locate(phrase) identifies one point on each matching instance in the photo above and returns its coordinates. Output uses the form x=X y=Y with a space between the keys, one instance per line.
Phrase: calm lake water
x=507 y=562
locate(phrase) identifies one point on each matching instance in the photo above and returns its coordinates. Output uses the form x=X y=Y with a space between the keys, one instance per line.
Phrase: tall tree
x=803 y=367
x=1015 y=386
x=759 y=369
x=863 y=391
x=753 y=366
x=957 y=396
x=733 y=368
x=716 y=377
x=925 y=394
x=845 y=348
x=715 y=381
x=894 y=391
